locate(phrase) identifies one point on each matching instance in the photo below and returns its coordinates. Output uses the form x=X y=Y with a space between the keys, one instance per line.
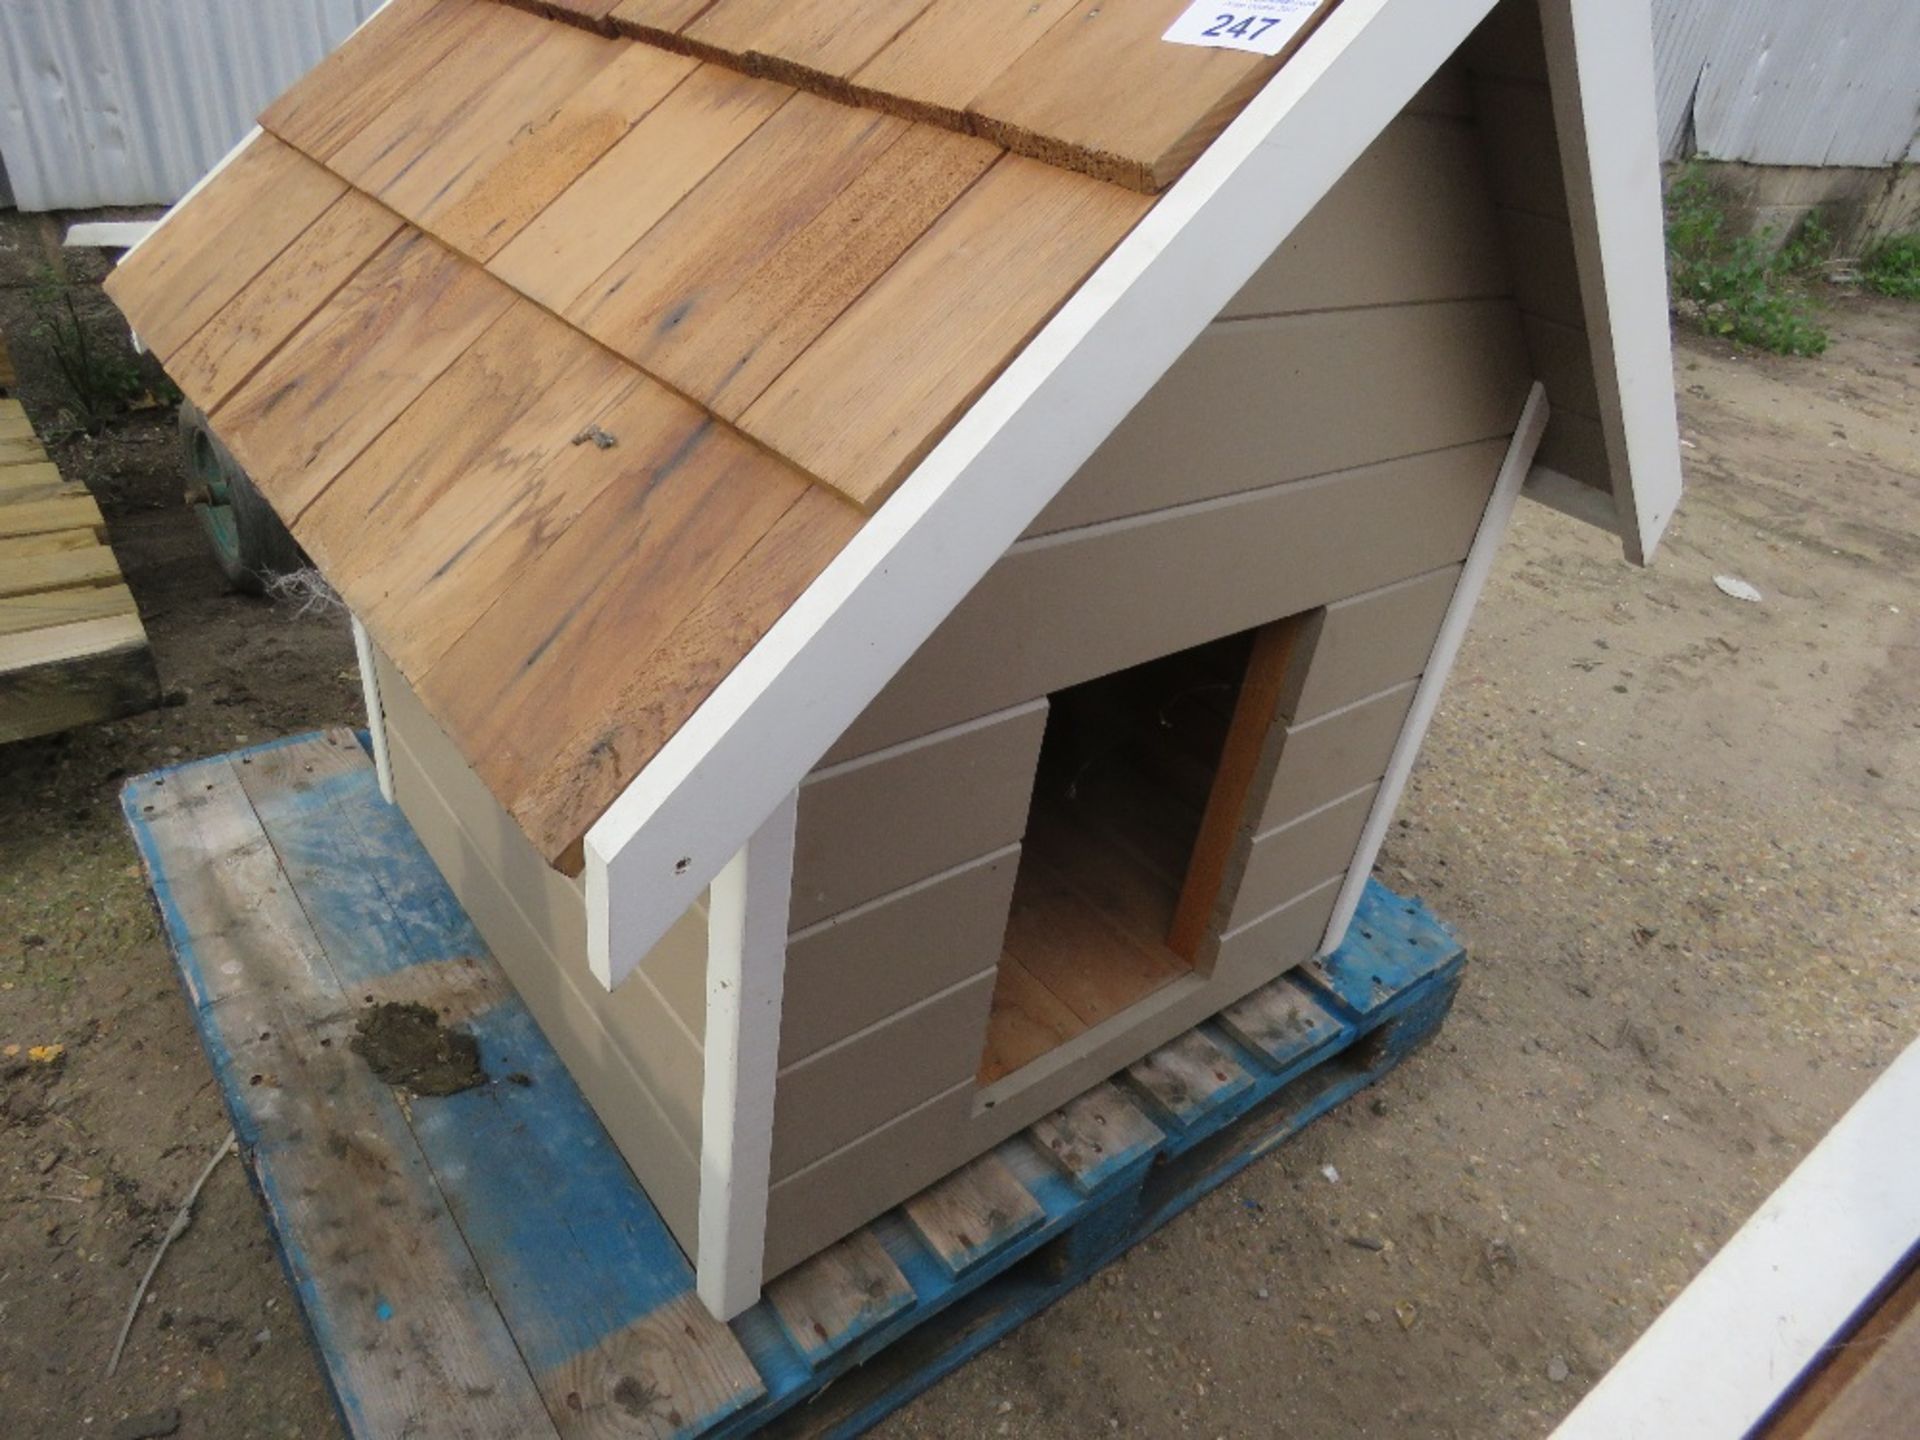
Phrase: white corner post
x=746 y=975
x=376 y=713
x=1446 y=649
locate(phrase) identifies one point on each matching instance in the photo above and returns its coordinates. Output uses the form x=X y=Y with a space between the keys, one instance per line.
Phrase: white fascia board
x=1601 y=72
x=711 y=785
x=1446 y=649
x=1769 y=1304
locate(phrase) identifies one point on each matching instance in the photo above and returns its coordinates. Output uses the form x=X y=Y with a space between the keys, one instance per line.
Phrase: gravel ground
x=1676 y=829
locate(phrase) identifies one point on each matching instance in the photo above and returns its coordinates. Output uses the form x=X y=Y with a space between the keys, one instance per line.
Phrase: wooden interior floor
x=1123 y=780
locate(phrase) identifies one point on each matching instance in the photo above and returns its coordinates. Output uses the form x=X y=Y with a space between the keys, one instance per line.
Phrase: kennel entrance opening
x=1138 y=796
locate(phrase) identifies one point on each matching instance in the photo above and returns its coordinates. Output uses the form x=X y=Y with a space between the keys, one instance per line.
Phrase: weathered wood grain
x=1096 y=1136
x=73 y=674
x=532 y=672
x=874 y=392
x=735 y=343
x=938 y=64
x=193 y=265
x=753 y=203
x=539 y=141
x=1188 y=1076
x=618 y=199
x=58 y=570
x=973 y=1212
x=277 y=301
x=845 y=1291
x=44 y=517
x=374 y=68
x=1281 y=1022
x=362 y=357
x=666 y=687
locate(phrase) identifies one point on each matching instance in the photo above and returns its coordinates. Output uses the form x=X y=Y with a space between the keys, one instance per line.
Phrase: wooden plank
x=1095 y=967
x=837 y=1095
x=74 y=674
x=15 y=547
x=531 y=672
x=745 y=329
x=1096 y=1137
x=21 y=450
x=757 y=199
x=626 y=192
x=657 y=20
x=424 y=528
x=739 y=1119
x=845 y=1292
x=822 y=40
x=1281 y=1023
x=1369 y=642
x=667 y=687
x=14 y=421
x=44 y=517
x=546 y=149
x=1159 y=104
x=60 y=570
x=863 y=827
x=7 y=376
x=1189 y=1076
x=1464 y=380
x=31 y=480
x=1326 y=758
x=377 y=66
x=1410 y=223
x=857 y=968
x=1300 y=855
x=600 y=1296
x=1027 y=1020
x=277 y=301
x=973 y=1212
x=1230 y=801
x=363 y=357
x=870 y=397
x=427 y=151
x=952 y=50
x=589 y=13
x=247 y=214
x=1059 y=610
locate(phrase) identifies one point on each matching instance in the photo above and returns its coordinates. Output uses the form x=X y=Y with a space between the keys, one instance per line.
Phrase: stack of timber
x=483 y=1264
x=72 y=648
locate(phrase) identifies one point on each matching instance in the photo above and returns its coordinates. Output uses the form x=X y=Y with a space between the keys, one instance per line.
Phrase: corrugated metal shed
x=128 y=102
x=1784 y=82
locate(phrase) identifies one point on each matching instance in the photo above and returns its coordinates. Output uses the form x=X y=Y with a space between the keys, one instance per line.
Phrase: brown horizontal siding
x=1308 y=850
x=1325 y=758
x=841 y=1093
x=856 y=969
x=1370 y=642
x=1067 y=608
x=863 y=827
x=1259 y=402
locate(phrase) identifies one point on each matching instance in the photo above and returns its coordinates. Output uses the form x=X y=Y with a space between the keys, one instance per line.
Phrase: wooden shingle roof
x=573 y=357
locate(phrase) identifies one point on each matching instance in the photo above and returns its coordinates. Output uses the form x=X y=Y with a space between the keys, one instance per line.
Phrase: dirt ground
x=1677 y=831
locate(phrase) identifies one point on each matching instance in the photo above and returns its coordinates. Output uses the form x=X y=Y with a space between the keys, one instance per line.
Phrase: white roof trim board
x=659 y=845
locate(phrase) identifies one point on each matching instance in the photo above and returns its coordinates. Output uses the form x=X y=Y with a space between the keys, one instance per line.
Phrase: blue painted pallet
x=484 y=1264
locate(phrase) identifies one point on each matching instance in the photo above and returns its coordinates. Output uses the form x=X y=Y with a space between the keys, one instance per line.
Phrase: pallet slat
x=840 y=1295
x=293 y=893
x=1096 y=1137
x=392 y=1296
x=1190 y=1076
x=1281 y=1023
x=973 y=1212
x=59 y=570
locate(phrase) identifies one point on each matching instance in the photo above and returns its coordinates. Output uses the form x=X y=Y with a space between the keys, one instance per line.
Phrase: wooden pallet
x=72 y=648
x=485 y=1265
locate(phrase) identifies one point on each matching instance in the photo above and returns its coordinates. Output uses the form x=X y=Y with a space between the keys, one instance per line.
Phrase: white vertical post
x=1453 y=629
x=746 y=974
x=376 y=714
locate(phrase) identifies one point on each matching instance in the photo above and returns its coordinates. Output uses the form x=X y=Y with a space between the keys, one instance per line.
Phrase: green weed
x=1893 y=267
x=100 y=375
x=1739 y=286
